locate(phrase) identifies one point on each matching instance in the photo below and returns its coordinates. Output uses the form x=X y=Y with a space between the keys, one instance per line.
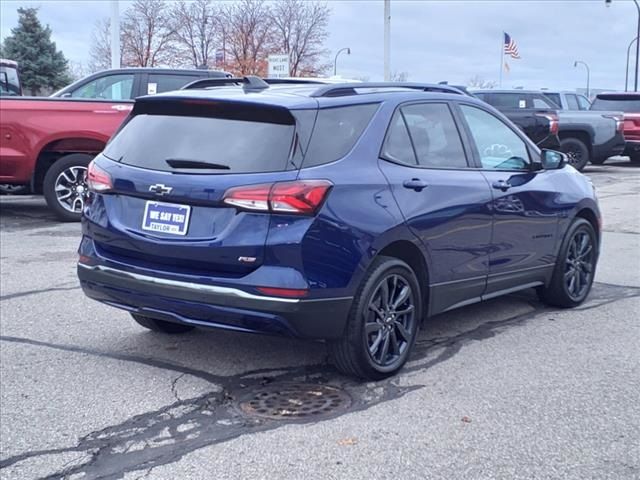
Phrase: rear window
x=629 y=104
x=554 y=97
x=336 y=132
x=157 y=142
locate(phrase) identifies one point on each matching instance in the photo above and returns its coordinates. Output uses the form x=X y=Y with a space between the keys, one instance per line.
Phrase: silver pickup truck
x=585 y=136
x=574 y=102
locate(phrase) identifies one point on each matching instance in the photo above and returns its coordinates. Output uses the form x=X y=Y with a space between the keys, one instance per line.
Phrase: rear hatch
x=170 y=166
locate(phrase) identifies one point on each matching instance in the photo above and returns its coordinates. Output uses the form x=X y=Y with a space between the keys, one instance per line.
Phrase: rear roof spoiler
x=249 y=83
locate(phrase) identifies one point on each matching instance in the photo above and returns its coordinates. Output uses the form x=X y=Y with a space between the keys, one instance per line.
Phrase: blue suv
x=345 y=212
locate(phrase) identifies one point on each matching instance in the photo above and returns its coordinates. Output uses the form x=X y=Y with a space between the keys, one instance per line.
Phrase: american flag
x=510 y=47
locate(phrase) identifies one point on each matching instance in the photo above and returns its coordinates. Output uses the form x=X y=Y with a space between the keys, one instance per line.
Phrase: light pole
x=115 y=35
x=575 y=64
x=335 y=61
x=387 y=41
x=626 y=72
x=635 y=83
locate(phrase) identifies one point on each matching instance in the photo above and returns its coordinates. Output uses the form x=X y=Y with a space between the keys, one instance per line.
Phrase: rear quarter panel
x=358 y=219
x=28 y=125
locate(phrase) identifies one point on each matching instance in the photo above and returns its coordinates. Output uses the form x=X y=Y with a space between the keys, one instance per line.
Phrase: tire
x=559 y=292
x=577 y=152
x=161 y=325
x=352 y=353
x=635 y=157
x=597 y=161
x=67 y=175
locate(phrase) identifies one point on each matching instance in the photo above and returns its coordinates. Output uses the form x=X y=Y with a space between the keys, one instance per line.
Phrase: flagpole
x=501 y=57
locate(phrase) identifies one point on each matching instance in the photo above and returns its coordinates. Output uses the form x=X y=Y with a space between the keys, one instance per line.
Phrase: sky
x=431 y=40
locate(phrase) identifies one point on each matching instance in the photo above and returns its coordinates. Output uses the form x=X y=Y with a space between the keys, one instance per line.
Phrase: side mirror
x=552 y=160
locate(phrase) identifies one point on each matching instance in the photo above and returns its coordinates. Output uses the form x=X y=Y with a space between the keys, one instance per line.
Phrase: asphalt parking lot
x=506 y=389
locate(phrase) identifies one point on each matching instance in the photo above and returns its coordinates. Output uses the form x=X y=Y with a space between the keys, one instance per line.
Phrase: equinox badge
x=160 y=189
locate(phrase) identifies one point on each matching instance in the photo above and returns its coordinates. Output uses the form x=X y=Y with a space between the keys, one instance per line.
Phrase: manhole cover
x=286 y=401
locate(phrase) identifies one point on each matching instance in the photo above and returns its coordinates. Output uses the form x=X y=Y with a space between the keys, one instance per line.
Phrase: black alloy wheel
x=576 y=151
x=383 y=322
x=575 y=267
x=389 y=320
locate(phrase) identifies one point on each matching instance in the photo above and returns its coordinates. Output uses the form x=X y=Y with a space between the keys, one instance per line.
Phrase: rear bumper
x=214 y=306
x=613 y=147
x=632 y=147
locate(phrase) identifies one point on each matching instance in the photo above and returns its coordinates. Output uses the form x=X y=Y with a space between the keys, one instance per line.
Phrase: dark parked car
x=129 y=83
x=629 y=104
x=9 y=79
x=584 y=136
x=337 y=212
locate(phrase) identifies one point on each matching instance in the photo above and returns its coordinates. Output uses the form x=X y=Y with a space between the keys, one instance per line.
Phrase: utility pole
x=115 y=35
x=387 y=40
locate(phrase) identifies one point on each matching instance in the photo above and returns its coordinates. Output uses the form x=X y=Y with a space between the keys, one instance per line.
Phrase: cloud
x=431 y=40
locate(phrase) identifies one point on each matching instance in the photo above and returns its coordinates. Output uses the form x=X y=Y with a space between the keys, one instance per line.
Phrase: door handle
x=501 y=185
x=415 y=184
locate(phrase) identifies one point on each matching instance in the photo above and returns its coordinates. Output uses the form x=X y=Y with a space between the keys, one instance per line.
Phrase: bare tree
x=100 y=51
x=77 y=70
x=301 y=30
x=399 y=76
x=247 y=36
x=198 y=30
x=148 y=34
x=478 y=82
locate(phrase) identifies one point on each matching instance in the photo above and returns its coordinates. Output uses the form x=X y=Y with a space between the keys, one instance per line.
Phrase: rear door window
x=397 y=146
x=554 y=97
x=507 y=100
x=572 y=102
x=336 y=132
x=583 y=102
x=180 y=143
x=541 y=102
x=434 y=135
x=162 y=82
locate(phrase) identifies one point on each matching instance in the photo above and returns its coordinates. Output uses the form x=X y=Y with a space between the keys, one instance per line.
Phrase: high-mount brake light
x=302 y=197
x=97 y=179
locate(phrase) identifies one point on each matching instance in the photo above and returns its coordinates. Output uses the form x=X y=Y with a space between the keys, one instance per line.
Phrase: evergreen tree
x=42 y=66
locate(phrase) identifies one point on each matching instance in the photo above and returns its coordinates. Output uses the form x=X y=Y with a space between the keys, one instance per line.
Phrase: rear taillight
x=553 y=122
x=619 y=122
x=97 y=179
x=299 y=197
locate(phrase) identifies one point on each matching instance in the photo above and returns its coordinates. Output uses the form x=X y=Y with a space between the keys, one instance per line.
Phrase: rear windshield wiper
x=177 y=163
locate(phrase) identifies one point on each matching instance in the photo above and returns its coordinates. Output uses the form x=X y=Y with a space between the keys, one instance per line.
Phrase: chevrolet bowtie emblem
x=160 y=189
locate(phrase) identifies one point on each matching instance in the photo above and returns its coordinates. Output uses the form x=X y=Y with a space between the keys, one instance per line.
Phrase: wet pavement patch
x=287 y=401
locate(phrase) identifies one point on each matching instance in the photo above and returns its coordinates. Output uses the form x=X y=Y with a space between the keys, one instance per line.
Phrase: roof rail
x=293 y=81
x=345 y=89
x=249 y=83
